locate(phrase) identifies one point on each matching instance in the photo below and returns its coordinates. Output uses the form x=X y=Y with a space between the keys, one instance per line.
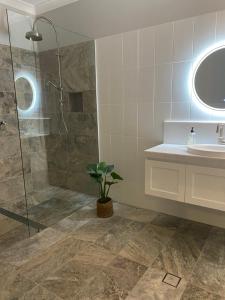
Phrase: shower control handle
x=2 y=124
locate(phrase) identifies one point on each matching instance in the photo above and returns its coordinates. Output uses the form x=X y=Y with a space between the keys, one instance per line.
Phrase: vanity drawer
x=205 y=187
x=166 y=180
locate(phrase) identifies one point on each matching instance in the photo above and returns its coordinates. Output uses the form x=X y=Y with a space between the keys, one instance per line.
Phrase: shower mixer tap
x=2 y=124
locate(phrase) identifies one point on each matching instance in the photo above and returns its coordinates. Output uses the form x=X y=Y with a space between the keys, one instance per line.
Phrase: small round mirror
x=24 y=93
x=209 y=79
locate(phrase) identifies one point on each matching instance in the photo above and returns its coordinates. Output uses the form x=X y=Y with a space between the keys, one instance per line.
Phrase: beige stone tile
x=209 y=272
x=133 y=213
x=96 y=228
x=25 y=250
x=85 y=213
x=93 y=253
x=146 y=245
x=112 y=282
x=69 y=249
x=194 y=293
x=169 y=222
x=10 y=238
x=39 y=293
x=70 y=280
x=68 y=226
x=181 y=254
x=151 y=287
x=116 y=238
x=12 y=283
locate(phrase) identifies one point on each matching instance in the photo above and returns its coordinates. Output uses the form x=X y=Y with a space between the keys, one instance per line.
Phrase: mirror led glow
x=34 y=86
x=201 y=105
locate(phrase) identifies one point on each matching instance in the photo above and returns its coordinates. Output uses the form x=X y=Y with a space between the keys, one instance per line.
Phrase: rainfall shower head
x=34 y=36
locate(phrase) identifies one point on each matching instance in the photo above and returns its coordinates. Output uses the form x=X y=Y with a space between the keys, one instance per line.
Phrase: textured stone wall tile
x=9 y=146
x=10 y=167
x=12 y=188
x=89 y=101
x=7 y=103
x=11 y=127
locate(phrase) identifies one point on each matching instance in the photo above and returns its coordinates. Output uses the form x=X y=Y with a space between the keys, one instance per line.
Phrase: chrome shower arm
x=49 y=21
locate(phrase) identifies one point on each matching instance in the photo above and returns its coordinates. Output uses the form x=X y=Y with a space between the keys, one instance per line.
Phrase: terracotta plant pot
x=104 y=210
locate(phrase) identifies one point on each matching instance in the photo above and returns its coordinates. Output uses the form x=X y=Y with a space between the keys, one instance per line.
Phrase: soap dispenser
x=191 y=137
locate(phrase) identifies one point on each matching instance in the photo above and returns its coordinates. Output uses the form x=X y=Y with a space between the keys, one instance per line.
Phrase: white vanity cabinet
x=205 y=187
x=166 y=180
x=196 y=185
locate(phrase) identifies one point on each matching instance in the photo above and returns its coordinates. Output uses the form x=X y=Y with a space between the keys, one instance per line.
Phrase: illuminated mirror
x=209 y=78
x=26 y=92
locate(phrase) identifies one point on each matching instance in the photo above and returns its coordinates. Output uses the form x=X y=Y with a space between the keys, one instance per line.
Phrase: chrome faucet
x=220 y=131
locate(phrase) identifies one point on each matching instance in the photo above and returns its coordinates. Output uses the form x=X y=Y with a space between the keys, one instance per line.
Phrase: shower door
x=58 y=140
x=13 y=212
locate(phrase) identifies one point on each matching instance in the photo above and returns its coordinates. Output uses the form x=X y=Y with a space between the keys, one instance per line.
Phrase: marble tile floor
x=124 y=257
x=57 y=203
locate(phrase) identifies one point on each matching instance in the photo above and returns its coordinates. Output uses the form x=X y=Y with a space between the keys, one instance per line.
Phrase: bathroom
x=98 y=92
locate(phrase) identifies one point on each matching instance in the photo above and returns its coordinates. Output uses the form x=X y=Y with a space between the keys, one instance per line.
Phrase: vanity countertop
x=179 y=154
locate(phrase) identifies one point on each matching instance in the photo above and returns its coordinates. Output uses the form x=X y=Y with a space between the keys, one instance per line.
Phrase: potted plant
x=105 y=177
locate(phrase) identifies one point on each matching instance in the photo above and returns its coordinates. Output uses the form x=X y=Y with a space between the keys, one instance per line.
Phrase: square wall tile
x=164 y=43
x=204 y=32
x=163 y=84
x=147 y=47
x=181 y=91
x=146 y=80
x=183 y=40
x=130 y=49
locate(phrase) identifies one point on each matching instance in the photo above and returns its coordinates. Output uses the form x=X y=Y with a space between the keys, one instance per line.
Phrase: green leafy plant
x=104 y=175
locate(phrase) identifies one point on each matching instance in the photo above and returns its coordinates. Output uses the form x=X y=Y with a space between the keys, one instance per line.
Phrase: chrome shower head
x=34 y=36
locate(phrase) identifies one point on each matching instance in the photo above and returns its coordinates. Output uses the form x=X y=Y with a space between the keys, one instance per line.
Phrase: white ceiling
x=98 y=18
x=35 y=7
x=34 y=2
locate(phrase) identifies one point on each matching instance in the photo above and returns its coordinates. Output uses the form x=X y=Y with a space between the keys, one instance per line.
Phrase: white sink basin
x=210 y=150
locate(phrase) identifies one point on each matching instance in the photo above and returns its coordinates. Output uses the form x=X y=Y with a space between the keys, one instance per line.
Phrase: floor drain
x=171 y=279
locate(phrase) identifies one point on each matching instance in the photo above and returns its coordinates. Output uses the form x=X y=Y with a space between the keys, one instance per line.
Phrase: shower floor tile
x=123 y=257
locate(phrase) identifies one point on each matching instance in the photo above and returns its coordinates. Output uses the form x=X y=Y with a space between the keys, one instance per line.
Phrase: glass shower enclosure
x=55 y=123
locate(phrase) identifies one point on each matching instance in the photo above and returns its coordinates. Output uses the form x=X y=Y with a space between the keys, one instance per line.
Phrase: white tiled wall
x=142 y=81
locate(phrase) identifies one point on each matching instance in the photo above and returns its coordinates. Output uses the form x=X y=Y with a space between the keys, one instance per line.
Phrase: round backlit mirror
x=24 y=93
x=209 y=79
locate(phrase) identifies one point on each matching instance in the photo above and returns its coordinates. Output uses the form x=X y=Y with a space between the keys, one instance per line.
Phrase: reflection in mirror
x=24 y=93
x=209 y=80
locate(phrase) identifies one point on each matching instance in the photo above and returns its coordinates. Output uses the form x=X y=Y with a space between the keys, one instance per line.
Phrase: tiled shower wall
x=11 y=180
x=143 y=80
x=68 y=155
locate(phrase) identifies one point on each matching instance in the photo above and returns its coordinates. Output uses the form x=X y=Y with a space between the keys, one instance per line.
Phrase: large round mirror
x=24 y=93
x=209 y=79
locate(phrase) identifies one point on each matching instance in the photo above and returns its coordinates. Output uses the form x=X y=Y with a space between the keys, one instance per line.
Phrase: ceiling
x=35 y=7
x=98 y=18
